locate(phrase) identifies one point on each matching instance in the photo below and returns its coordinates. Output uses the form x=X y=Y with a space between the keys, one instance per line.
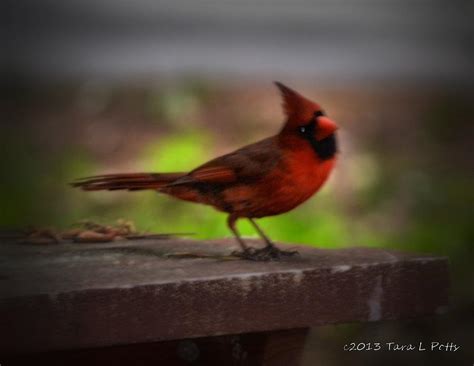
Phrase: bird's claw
x=247 y=253
x=268 y=253
x=272 y=253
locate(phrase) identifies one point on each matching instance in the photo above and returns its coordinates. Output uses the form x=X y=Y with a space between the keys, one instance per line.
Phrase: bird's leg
x=270 y=251
x=265 y=238
x=246 y=251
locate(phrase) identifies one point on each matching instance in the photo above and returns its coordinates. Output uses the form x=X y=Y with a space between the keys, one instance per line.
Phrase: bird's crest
x=298 y=109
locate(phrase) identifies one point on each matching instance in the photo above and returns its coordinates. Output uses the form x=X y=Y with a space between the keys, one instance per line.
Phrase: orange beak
x=326 y=127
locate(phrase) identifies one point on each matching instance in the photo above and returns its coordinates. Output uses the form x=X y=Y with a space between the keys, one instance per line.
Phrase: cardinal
x=266 y=178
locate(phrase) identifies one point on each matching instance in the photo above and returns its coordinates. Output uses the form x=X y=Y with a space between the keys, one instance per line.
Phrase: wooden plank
x=73 y=296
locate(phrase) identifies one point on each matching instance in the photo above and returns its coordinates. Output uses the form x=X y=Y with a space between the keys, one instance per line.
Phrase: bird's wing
x=246 y=164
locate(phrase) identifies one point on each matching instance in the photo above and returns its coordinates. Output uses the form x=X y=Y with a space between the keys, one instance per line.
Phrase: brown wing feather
x=214 y=174
x=246 y=164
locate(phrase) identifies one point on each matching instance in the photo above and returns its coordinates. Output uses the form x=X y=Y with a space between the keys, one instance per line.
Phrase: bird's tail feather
x=126 y=181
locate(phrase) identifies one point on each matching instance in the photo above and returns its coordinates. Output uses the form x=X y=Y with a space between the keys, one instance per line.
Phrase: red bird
x=266 y=178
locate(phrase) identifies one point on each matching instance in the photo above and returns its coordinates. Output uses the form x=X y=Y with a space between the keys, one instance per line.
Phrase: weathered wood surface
x=73 y=296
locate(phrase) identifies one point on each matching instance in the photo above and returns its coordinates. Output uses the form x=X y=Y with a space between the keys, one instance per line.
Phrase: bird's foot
x=271 y=253
x=268 y=253
x=189 y=255
x=247 y=253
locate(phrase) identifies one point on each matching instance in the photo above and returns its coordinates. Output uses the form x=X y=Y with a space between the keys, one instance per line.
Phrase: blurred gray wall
x=328 y=40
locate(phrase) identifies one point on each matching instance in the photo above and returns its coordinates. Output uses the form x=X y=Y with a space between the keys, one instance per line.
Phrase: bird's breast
x=307 y=173
x=292 y=182
x=303 y=179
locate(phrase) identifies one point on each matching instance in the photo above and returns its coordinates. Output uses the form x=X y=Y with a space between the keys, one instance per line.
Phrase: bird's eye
x=318 y=114
x=302 y=129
